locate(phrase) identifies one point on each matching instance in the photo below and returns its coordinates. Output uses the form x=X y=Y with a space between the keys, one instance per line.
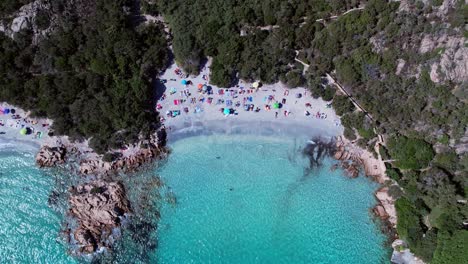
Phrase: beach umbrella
x=256 y=84
x=205 y=88
x=227 y=111
x=276 y=105
x=23 y=131
x=298 y=95
x=184 y=82
x=6 y=111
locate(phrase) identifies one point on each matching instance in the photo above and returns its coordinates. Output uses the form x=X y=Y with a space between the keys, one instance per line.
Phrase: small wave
x=14 y=145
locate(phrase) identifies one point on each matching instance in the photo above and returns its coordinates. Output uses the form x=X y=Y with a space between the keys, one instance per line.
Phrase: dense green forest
x=92 y=75
x=421 y=121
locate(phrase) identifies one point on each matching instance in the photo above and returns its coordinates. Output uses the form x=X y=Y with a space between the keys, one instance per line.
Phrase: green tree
x=410 y=153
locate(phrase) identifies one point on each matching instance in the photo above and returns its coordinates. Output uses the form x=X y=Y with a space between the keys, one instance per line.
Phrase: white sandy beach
x=205 y=118
x=208 y=118
x=12 y=123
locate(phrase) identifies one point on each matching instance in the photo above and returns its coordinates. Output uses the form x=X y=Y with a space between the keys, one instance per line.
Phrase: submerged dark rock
x=317 y=149
x=53 y=198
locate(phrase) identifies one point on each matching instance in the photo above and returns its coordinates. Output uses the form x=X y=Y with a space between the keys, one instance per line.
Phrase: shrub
x=42 y=19
x=349 y=133
x=408 y=218
x=451 y=249
x=342 y=105
x=410 y=153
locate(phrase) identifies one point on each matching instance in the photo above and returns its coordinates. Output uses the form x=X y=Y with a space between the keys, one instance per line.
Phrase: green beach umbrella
x=23 y=131
x=276 y=105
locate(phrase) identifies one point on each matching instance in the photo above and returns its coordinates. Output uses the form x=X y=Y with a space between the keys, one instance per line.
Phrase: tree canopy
x=92 y=75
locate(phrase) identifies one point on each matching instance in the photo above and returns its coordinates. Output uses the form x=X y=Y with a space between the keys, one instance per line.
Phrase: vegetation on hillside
x=92 y=75
x=418 y=118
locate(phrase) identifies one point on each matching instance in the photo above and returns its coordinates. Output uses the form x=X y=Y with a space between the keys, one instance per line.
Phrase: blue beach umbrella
x=227 y=111
x=184 y=82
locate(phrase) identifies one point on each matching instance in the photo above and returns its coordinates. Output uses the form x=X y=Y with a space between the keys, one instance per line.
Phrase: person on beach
x=276 y=114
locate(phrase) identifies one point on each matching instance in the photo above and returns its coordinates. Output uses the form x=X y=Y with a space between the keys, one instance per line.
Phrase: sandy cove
x=203 y=117
x=204 y=109
x=298 y=115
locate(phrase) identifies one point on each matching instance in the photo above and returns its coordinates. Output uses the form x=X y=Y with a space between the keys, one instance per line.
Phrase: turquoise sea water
x=240 y=199
x=28 y=227
x=248 y=200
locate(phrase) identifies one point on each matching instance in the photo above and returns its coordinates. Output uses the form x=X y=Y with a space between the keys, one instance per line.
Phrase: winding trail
x=337 y=16
x=321 y=20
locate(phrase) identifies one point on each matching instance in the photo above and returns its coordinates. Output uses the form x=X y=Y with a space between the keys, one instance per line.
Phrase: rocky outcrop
x=50 y=156
x=98 y=208
x=351 y=168
x=92 y=166
x=25 y=18
x=154 y=149
x=380 y=212
x=349 y=162
x=453 y=62
x=386 y=207
x=402 y=255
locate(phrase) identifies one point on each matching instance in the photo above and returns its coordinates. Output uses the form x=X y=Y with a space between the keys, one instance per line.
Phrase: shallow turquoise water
x=28 y=227
x=240 y=199
x=245 y=199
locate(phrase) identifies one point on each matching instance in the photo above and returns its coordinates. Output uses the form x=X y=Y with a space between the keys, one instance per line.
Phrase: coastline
x=56 y=150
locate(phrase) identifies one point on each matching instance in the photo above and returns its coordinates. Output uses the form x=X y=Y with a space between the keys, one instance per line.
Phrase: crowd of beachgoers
x=185 y=99
x=17 y=124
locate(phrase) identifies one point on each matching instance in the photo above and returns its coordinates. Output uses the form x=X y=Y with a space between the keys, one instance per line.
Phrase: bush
x=342 y=105
x=424 y=244
x=109 y=157
x=451 y=249
x=408 y=218
x=447 y=160
x=410 y=153
x=349 y=133
x=394 y=174
x=328 y=93
x=395 y=191
x=42 y=19
x=366 y=133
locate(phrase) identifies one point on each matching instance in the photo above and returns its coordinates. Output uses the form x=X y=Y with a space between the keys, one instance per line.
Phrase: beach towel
x=176 y=102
